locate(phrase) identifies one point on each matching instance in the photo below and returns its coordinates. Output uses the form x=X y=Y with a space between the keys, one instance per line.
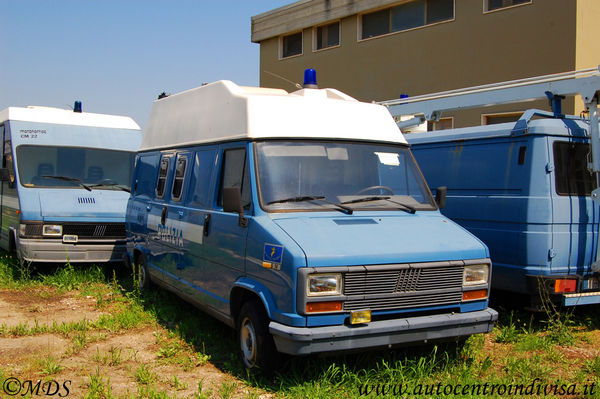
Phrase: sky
x=116 y=56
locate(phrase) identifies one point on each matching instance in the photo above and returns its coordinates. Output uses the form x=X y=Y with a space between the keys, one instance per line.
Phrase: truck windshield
x=318 y=175
x=70 y=167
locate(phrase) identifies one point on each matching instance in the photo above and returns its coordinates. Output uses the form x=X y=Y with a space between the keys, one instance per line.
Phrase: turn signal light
x=472 y=295
x=331 y=306
x=564 y=286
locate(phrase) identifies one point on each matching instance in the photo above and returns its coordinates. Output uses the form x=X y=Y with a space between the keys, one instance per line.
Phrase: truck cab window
x=179 y=178
x=235 y=174
x=162 y=177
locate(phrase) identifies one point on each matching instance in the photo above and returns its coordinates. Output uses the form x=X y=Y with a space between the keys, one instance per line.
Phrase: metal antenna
x=297 y=85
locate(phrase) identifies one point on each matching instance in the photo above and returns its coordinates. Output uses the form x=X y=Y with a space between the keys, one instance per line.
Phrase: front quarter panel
x=279 y=279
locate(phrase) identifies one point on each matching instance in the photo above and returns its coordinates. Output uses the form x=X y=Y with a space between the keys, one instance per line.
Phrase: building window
x=291 y=45
x=442 y=124
x=493 y=119
x=327 y=36
x=406 y=16
x=491 y=5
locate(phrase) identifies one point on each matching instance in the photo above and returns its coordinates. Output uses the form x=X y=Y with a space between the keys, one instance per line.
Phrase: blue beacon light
x=310 y=79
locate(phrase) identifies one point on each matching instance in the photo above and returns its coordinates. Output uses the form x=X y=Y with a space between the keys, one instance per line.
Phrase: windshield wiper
x=116 y=185
x=303 y=198
x=373 y=198
x=67 y=178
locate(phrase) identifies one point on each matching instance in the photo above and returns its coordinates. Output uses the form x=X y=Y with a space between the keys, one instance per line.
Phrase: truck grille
x=92 y=230
x=403 y=287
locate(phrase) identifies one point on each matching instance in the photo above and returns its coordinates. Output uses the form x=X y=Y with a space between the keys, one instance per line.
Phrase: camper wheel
x=256 y=346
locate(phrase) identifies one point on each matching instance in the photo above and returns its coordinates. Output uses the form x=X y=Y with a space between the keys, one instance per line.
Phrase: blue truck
x=65 y=180
x=301 y=220
x=528 y=189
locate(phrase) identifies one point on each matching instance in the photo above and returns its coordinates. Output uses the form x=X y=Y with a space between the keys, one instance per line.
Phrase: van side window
x=162 y=178
x=200 y=179
x=234 y=174
x=179 y=178
x=572 y=174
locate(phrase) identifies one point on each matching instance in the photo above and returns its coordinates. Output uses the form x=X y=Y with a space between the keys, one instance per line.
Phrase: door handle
x=206 y=228
x=163 y=216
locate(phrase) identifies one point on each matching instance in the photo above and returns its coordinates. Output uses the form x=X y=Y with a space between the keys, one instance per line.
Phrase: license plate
x=70 y=239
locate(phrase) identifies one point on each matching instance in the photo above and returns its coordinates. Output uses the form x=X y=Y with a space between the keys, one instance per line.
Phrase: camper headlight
x=324 y=284
x=476 y=275
x=53 y=230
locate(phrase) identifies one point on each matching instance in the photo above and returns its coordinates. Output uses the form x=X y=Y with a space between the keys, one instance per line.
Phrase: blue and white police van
x=65 y=183
x=301 y=220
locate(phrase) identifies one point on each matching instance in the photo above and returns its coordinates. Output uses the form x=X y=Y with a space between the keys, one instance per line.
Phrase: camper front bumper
x=54 y=250
x=385 y=333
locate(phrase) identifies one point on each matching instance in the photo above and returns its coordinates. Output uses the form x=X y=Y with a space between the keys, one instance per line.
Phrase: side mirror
x=440 y=196
x=4 y=174
x=232 y=202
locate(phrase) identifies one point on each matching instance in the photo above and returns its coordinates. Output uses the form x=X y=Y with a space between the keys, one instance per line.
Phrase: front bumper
x=386 y=333
x=54 y=250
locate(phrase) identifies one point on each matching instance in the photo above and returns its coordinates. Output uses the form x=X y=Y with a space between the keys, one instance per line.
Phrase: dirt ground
x=107 y=359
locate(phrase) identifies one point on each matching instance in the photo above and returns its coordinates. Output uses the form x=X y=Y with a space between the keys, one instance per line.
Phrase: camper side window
x=162 y=178
x=234 y=174
x=179 y=178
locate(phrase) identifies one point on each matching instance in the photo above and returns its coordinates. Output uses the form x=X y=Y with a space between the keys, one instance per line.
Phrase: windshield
x=317 y=175
x=70 y=167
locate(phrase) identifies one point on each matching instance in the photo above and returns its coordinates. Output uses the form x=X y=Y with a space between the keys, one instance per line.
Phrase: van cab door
x=222 y=255
x=575 y=217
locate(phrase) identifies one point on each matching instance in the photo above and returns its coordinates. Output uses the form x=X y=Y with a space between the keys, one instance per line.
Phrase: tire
x=141 y=273
x=256 y=347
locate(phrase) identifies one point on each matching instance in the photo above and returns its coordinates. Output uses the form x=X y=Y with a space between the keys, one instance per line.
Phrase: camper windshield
x=69 y=167
x=318 y=175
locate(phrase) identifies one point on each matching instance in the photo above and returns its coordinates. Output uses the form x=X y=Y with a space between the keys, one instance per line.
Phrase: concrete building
x=380 y=49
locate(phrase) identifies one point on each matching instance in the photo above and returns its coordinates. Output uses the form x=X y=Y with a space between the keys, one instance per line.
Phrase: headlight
x=324 y=284
x=476 y=275
x=52 y=230
x=22 y=228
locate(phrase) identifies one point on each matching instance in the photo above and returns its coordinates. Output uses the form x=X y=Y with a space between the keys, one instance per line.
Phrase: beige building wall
x=477 y=47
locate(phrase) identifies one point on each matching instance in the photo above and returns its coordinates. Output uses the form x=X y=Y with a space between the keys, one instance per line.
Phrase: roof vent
x=77 y=107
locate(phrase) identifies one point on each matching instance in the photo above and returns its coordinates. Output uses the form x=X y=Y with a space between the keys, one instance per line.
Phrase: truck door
x=224 y=241
x=575 y=216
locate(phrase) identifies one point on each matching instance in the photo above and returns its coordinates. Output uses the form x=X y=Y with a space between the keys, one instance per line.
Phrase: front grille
x=404 y=287
x=92 y=230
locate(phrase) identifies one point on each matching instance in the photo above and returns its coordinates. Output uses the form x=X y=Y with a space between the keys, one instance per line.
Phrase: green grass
x=533 y=345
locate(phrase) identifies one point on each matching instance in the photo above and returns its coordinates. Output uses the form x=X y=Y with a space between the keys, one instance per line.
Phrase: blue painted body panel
x=502 y=188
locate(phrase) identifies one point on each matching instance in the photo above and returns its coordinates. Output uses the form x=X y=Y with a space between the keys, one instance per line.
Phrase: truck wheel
x=141 y=273
x=256 y=346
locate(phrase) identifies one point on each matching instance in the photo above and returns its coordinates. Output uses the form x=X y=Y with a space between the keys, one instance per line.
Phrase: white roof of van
x=66 y=117
x=224 y=111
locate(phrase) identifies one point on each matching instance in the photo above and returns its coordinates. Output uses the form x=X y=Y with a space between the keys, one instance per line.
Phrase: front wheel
x=256 y=347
